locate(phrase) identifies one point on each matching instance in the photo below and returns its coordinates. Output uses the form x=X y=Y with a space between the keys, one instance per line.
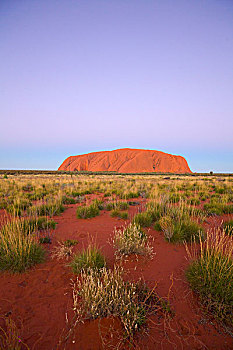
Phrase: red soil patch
x=127 y=161
x=39 y=299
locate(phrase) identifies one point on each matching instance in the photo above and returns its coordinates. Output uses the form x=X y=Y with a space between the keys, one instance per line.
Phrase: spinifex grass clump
x=218 y=208
x=211 y=274
x=117 y=213
x=53 y=207
x=87 y=212
x=70 y=242
x=31 y=225
x=40 y=223
x=178 y=230
x=68 y=200
x=116 y=205
x=213 y=208
x=88 y=258
x=106 y=293
x=228 y=227
x=18 y=206
x=143 y=219
x=131 y=240
x=45 y=240
x=18 y=250
x=10 y=336
x=178 y=223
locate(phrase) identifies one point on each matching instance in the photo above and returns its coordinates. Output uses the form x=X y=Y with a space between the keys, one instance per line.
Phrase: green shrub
x=98 y=203
x=45 y=240
x=70 y=242
x=86 y=212
x=88 y=258
x=124 y=215
x=68 y=200
x=174 y=198
x=157 y=226
x=109 y=206
x=116 y=206
x=27 y=188
x=220 y=190
x=49 y=209
x=18 y=207
x=129 y=195
x=143 y=219
x=115 y=213
x=227 y=209
x=228 y=227
x=122 y=205
x=213 y=209
x=3 y=203
x=179 y=230
x=18 y=251
x=193 y=201
x=186 y=231
x=211 y=275
x=40 y=223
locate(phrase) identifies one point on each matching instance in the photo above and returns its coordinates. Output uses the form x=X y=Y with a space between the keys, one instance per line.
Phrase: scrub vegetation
x=189 y=212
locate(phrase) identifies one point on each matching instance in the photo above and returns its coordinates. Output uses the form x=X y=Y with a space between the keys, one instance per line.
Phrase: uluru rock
x=127 y=160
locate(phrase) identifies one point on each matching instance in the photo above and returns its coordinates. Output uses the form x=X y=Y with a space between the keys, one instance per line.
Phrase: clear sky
x=78 y=76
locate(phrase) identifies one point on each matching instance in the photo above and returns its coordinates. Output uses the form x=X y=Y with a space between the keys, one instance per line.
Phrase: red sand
x=39 y=299
x=127 y=161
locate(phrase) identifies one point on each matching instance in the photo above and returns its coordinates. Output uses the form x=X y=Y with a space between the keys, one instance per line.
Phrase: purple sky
x=87 y=75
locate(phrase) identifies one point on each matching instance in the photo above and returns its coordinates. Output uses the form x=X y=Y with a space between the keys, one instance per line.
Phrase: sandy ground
x=40 y=299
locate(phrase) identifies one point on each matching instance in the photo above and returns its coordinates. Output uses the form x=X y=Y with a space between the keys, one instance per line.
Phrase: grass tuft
x=211 y=274
x=87 y=212
x=91 y=257
x=131 y=240
x=107 y=294
x=18 y=250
